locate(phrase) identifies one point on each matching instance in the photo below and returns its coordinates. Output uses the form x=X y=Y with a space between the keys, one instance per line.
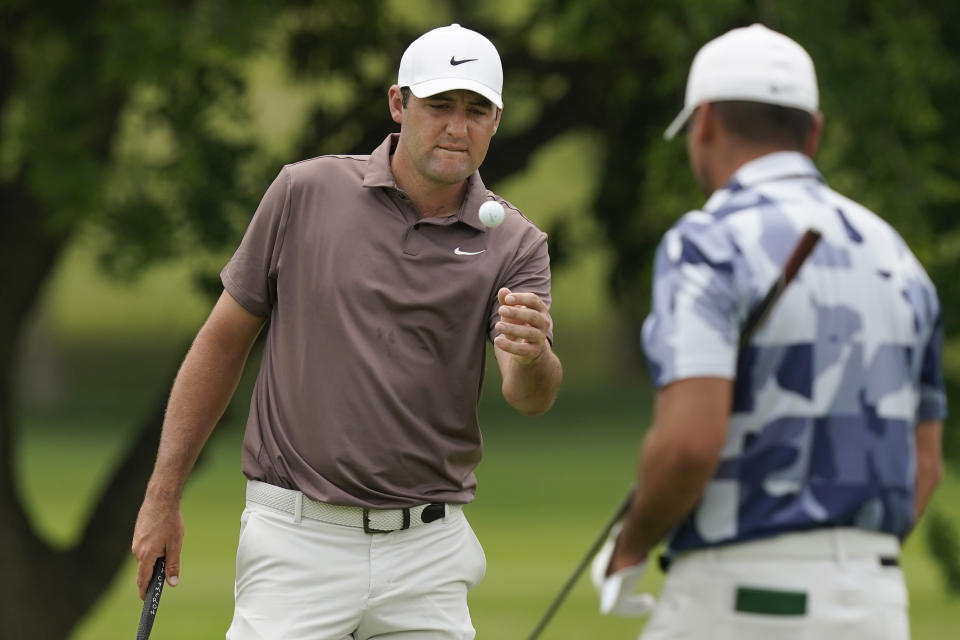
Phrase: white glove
x=616 y=591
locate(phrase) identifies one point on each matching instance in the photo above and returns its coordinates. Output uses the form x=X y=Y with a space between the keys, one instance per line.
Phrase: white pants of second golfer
x=847 y=593
x=317 y=581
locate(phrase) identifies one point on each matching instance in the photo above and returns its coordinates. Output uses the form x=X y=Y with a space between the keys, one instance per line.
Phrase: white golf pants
x=831 y=584
x=311 y=580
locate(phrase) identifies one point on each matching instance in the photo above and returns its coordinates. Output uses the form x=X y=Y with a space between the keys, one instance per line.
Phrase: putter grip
x=759 y=313
x=807 y=242
x=152 y=599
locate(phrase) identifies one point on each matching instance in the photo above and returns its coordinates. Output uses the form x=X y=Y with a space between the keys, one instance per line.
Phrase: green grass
x=546 y=487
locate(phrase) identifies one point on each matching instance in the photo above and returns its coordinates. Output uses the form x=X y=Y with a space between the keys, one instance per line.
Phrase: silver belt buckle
x=368 y=529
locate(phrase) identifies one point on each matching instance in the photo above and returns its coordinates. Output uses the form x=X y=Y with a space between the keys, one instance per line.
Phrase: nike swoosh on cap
x=460 y=252
x=454 y=62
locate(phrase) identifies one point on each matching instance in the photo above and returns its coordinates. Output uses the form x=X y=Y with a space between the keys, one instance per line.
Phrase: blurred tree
x=133 y=116
x=82 y=86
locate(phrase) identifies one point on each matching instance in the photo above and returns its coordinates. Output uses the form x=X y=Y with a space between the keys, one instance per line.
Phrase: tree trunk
x=28 y=252
x=46 y=591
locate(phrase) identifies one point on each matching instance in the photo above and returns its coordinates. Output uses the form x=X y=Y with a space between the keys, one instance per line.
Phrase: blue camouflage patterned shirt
x=828 y=392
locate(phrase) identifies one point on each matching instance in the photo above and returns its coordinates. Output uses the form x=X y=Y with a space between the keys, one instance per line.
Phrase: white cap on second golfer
x=753 y=64
x=450 y=58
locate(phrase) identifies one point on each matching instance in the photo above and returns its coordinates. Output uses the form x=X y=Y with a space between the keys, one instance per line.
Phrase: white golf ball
x=491 y=213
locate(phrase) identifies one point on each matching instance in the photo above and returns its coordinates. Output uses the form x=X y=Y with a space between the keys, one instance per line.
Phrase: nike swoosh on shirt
x=459 y=252
x=454 y=62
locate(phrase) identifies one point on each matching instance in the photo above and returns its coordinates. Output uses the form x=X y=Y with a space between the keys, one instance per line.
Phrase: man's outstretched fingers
x=518 y=331
x=525 y=316
x=526 y=299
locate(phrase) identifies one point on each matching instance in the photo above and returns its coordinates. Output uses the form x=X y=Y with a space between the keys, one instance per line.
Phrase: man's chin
x=451 y=175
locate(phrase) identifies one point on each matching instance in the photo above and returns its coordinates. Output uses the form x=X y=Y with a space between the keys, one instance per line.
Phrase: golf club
x=151 y=600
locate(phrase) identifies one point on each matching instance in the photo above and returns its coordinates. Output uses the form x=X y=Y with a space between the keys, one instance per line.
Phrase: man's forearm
x=201 y=392
x=669 y=487
x=532 y=388
x=677 y=460
x=929 y=463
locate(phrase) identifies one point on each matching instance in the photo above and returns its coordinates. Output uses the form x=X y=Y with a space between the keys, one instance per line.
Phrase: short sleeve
x=250 y=276
x=692 y=327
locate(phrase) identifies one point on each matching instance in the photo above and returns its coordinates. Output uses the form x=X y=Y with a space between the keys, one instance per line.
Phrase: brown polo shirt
x=367 y=393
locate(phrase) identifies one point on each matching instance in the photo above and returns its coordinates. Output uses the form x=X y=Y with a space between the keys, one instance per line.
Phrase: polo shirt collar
x=773 y=166
x=779 y=165
x=379 y=174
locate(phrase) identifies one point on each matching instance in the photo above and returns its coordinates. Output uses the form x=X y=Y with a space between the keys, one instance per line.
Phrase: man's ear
x=813 y=138
x=395 y=101
x=704 y=123
x=496 y=120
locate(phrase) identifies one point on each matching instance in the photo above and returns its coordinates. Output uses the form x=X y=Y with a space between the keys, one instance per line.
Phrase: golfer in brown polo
x=382 y=287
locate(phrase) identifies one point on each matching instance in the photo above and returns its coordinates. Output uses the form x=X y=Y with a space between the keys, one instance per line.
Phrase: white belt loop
x=297 y=506
x=838 y=549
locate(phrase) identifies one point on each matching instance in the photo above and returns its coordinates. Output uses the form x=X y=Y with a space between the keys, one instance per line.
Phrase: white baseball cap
x=449 y=58
x=754 y=64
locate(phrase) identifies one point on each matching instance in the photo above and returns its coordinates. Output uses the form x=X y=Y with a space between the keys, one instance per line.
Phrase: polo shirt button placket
x=410 y=228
